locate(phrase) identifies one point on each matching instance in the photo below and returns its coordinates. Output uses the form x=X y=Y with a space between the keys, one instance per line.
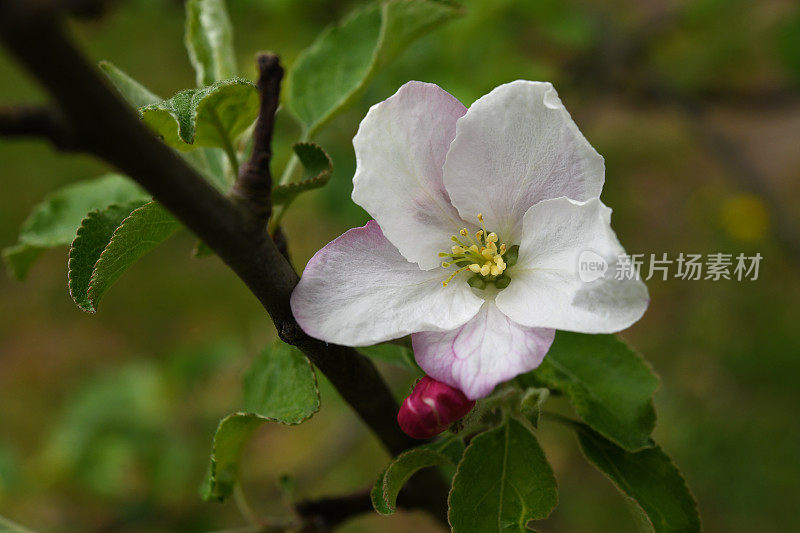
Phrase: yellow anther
x=480 y=217
x=483 y=253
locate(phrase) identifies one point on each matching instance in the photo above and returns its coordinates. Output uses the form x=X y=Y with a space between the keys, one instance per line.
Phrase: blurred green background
x=106 y=420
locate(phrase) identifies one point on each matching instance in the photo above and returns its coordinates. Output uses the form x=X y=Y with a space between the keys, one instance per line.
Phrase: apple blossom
x=480 y=216
x=431 y=408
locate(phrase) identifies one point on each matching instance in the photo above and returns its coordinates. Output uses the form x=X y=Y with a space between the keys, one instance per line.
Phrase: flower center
x=481 y=255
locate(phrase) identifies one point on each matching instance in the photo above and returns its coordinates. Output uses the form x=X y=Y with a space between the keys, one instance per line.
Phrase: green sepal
x=530 y=405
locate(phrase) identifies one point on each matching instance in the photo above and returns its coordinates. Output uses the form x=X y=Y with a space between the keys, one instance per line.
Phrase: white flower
x=455 y=194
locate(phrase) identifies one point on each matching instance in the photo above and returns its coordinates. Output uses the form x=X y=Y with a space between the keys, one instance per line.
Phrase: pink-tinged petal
x=488 y=350
x=400 y=149
x=358 y=290
x=431 y=408
x=517 y=146
x=547 y=288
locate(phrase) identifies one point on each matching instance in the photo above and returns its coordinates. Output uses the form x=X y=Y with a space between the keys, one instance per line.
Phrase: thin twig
x=109 y=129
x=254 y=182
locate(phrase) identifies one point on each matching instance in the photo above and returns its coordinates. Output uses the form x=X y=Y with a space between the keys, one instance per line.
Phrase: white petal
x=517 y=146
x=487 y=350
x=358 y=290
x=400 y=149
x=546 y=289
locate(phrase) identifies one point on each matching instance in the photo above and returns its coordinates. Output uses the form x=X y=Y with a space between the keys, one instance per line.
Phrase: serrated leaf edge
x=458 y=471
x=79 y=235
x=94 y=299
x=651 y=401
x=166 y=106
x=582 y=426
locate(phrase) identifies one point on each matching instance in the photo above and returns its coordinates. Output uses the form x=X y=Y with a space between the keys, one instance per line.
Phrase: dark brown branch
x=325 y=514
x=37 y=121
x=254 y=183
x=110 y=129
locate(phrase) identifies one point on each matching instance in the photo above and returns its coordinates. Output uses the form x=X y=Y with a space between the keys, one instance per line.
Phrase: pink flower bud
x=431 y=408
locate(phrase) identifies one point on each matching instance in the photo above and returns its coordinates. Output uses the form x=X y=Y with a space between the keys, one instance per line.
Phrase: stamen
x=445 y=282
x=483 y=258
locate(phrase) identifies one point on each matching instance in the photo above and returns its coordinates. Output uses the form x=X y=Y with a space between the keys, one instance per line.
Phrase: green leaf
x=610 y=385
x=213 y=116
x=209 y=41
x=53 y=221
x=317 y=170
x=93 y=236
x=386 y=489
x=390 y=353
x=503 y=482
x=280 y=387
x=134 y=92
x=648 y=479
x=142 y=230
x=334 y=71
x=209 y=161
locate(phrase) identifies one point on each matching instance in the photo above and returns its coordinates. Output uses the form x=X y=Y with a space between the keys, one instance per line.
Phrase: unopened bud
x=431 y=408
